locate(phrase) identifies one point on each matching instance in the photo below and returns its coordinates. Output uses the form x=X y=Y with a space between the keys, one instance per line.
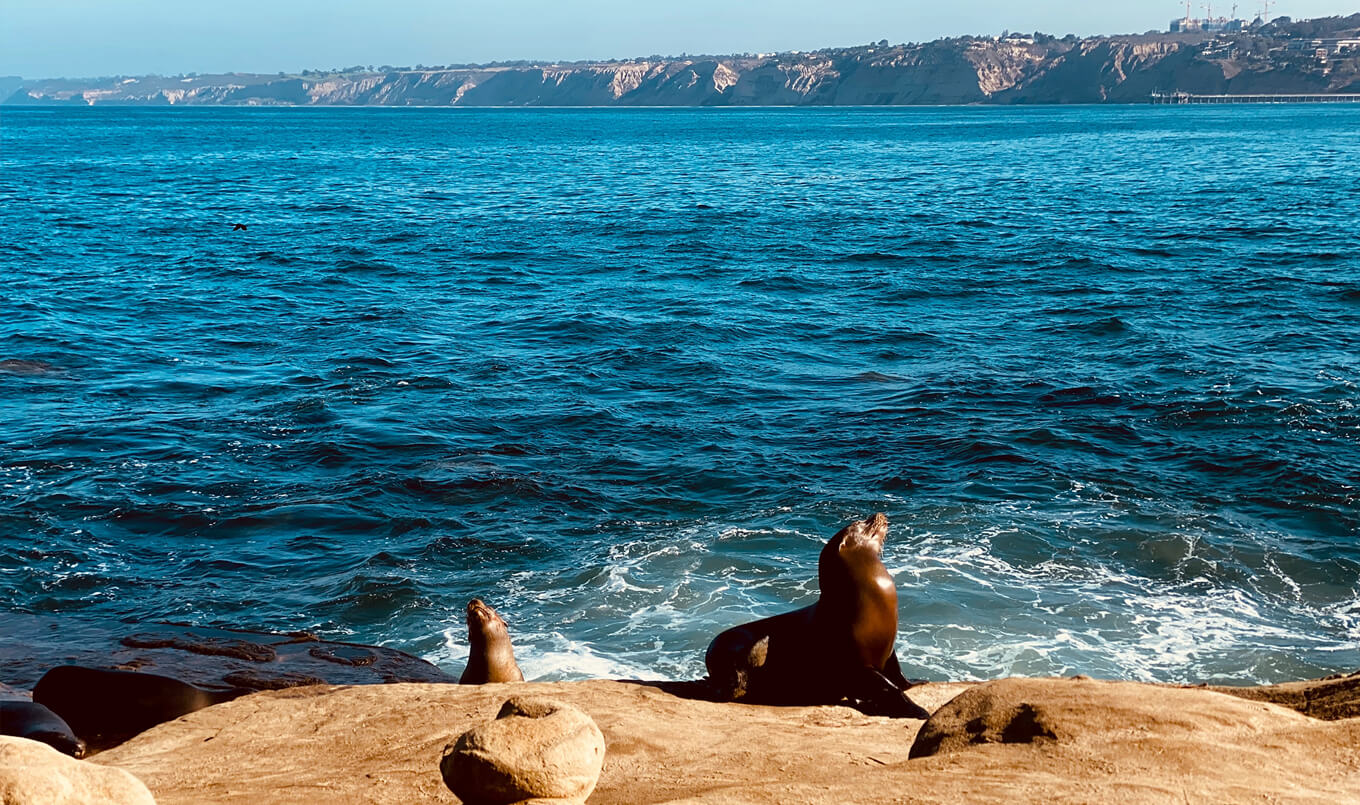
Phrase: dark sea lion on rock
x=491 y=658
x=24 y=719
x=106 y=707
x=840 y=648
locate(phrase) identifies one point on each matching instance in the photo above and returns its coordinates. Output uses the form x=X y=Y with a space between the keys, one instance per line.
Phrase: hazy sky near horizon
x=51 y=38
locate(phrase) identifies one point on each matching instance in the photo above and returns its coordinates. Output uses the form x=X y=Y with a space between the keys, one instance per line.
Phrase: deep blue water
x=621 y=373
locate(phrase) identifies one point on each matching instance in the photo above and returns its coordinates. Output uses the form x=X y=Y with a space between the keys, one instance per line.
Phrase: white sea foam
x=1170 y=608
x=555 y=656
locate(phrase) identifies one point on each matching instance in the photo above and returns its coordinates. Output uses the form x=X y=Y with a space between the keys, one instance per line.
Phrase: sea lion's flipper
x=735 y=683
x=874 y=694
x=752 y=662
x=893 y=672
x=732 y=658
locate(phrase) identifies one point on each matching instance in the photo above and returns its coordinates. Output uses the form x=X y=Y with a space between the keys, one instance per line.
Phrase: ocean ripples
x=1116 y=432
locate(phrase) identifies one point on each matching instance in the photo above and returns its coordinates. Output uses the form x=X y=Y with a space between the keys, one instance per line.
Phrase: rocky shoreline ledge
x=1010 y=740
x=182 y=714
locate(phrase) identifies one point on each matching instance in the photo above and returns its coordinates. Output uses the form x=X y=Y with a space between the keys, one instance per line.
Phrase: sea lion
x=840 y=648
x=19 y=366
x=106 y=707
x=24 y=719
x=491 y=658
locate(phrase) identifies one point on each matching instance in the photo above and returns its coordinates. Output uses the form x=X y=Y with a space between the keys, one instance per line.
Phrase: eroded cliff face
x=936 y=73
x=1114 y=70
x=1002 y=66
x=951 y=71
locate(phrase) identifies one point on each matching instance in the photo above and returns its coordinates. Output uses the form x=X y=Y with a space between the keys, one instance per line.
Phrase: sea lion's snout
x=75 y=747
x=479 y=615
x=870 y=532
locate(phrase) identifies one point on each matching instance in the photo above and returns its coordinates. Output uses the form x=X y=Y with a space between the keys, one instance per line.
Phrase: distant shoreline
x=48 y=108
x=1311 y=57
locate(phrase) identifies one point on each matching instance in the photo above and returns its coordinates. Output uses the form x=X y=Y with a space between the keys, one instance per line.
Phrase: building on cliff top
x=1215 y=25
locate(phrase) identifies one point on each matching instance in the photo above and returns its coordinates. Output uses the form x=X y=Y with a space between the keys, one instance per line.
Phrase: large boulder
x=33 y=773
x=1089 y=715
x=536 y=749
x=995 y=712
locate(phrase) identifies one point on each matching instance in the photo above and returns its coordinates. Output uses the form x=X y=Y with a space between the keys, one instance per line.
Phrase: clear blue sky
x=50 y=38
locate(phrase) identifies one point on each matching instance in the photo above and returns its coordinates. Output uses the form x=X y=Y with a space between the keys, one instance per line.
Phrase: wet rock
x=216 y=660
x=33 y=773
x=535 y=749
x=207 y=646
x=252 y=680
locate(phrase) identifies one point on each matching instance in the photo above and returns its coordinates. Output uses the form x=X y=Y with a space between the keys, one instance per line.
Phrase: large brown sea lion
x=106 y=707
x=838 y=649
x=25 y=719
x=491 y=658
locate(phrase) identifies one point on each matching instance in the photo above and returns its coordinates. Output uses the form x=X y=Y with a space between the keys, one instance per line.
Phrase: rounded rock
x=536 y=749
x=33 y=773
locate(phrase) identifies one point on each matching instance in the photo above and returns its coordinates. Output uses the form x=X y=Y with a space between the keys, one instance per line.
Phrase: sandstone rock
x=990 y=713
x=1330 y=699
x=535 y=749
x=1130 y=743
x=33 y=773
x=1082 y=713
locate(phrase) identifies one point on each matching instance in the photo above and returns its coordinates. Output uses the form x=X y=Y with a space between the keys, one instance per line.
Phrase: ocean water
x=622 y=372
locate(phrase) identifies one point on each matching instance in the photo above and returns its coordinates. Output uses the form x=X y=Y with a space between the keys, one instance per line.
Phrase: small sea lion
x=24 y=719
x=106 y=707
x=840 y=648
x=238 y=227
x=491 y=658
x=18 y=366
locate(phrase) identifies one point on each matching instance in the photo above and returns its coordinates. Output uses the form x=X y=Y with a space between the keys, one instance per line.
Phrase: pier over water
x=1319 y=97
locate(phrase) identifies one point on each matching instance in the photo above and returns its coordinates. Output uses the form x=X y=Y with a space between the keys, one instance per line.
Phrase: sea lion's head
x=61 y=741
x=483 y=622
x=851 y=564
x=868 y=533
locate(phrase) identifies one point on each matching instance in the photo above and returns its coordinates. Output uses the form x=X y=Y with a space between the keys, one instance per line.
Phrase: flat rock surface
x=1122 y=742
x=213 y=659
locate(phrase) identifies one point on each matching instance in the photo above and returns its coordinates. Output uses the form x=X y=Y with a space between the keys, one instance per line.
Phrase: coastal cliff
x=1281 y=57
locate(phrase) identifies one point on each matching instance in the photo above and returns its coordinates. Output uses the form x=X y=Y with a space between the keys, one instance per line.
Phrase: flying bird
x=238 y=228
